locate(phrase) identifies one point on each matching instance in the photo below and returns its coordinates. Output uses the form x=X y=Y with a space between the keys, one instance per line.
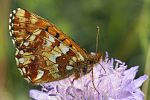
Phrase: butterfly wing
x=44 y=53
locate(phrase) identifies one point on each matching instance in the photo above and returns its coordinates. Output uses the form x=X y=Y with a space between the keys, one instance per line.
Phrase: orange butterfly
x=44 y=53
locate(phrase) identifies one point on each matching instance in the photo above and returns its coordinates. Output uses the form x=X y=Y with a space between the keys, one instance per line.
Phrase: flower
x=111 y=81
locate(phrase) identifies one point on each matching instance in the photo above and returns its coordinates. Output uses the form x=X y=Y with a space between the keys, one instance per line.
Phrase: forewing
x=44 y=53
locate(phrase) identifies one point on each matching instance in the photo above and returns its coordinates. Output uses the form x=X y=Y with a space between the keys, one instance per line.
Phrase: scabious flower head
x=112 y=80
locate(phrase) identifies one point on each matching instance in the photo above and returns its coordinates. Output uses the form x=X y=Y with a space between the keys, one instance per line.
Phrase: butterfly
x=43 y=52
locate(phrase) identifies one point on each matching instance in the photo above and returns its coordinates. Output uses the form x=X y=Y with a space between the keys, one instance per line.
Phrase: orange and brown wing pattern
x=44 y=53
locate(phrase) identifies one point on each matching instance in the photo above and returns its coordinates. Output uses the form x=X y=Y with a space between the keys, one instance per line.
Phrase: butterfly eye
x=84 y=70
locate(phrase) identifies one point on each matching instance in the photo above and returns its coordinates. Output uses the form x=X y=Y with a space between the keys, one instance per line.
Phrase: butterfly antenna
x=97 y=41
x=97 y=35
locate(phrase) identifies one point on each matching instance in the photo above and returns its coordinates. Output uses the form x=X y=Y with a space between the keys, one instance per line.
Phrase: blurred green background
x=124 y=33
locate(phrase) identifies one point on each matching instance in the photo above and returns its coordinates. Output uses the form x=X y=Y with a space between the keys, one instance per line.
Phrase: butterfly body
x=44 y=53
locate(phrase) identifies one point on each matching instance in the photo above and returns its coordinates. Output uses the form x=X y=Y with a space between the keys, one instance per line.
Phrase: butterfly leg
x=76 y=76
x=93 y=82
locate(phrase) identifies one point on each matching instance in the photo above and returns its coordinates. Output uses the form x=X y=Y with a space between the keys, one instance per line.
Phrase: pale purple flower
x=112 y=80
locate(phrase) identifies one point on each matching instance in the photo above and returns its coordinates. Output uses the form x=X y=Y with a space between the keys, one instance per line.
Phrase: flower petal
x=38 y=95
x=138 y=82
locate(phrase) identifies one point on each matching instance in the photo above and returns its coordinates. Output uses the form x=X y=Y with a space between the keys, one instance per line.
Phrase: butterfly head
x=93 y=58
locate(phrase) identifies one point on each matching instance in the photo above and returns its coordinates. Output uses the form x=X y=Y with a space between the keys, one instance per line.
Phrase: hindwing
x=44 y=53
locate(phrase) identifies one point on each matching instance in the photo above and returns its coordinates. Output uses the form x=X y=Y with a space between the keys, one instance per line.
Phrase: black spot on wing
x=57 y=35
x=63 y=39
x=46 y=29
x=70 y=45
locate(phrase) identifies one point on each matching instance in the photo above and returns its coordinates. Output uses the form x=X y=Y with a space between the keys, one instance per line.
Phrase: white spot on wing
x=57 y=49
x=17 y=61
x=32 y=37
x=12 y=24
x=64 y=48
x=13 y=17
x=54 y=69
x=36 y=32
x=69 y=67
x=39 y=75
x=71 y=62
x=74 y=59
x=48 y=43
x=9 y=27
x=21 y=52
x=17 y=51
x=19 y=9
x=10 y=33
x=9 y=20
x=53 y=57
x=14 y=11
x=20 y=71
x=27 y=79
x=55 y=75
x=20 y=12
x=26 y=43
x=24 y=70
x=80 y=56
x=55 y=52
x=32 y=57
x=51 y=38
x=10 y=15
x=33 y=21
x=21 y=60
